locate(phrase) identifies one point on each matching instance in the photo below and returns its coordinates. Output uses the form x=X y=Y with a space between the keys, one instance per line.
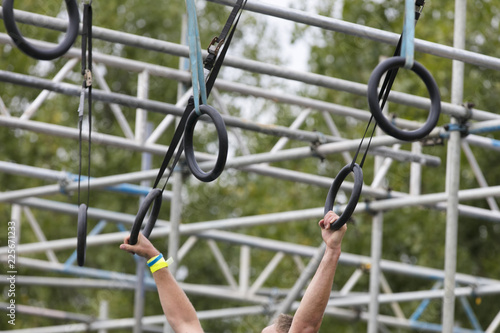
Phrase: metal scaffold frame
x=346 y=304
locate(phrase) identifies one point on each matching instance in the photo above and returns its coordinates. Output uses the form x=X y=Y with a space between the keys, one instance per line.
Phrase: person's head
x=282 y=324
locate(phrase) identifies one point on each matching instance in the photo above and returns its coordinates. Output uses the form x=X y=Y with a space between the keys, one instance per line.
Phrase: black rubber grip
x=153 y=198
x=353 y=200
x=382 y=121
x=223 y=144
x=36 y=52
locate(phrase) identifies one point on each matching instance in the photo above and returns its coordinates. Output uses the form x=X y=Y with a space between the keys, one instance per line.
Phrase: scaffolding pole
x=333 y=145
x=375 y=271
x=290 y=14
x=213 y=231
x=284 y=217
x=453 y=176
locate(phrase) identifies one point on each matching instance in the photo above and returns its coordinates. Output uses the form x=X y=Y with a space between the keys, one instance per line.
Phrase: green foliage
x=413 y=235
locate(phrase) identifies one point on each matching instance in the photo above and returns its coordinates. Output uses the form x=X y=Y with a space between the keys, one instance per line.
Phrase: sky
x=299 y=50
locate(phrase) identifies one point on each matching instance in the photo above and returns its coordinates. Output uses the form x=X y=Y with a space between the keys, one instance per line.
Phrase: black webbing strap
x=42 y=53
x=384 y=91
x=86 y=85
x=220 y=59
x=383 y=95
x=218 y=41
x=190 y=106
x=154 y=197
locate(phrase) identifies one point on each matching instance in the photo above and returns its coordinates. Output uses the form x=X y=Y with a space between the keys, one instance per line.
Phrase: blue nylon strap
x=408 y=45
x=195 y=58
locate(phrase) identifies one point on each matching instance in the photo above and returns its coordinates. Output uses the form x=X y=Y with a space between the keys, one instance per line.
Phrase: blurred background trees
x=412 y=235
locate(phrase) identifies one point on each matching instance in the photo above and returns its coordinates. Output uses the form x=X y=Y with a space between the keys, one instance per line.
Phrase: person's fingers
x=142 y=239
x=335 y=217
x=331 y=217
x=126 y=239
x=321 y=223
x=125 y=247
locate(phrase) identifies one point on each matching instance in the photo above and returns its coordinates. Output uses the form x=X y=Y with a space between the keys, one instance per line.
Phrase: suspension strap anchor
x=87 y=77
x=215 y=45
x=213 y=51
x=419 y=7
x=316 y=143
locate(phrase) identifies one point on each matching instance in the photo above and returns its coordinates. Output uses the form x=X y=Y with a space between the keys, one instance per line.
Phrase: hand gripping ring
x=353 y=201
x=35 y=52
x=81 y=240
x=189 y=149
x=153 y=198
x=382 y=121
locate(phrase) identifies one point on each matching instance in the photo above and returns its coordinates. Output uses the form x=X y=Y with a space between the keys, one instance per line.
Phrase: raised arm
x=179 y=311
x=309 y=315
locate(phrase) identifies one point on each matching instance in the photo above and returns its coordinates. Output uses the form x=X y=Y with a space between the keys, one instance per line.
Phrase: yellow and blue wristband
x=158 y=262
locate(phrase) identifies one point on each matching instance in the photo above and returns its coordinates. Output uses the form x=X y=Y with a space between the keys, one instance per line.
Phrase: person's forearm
x=312 y=306
x=179 y=311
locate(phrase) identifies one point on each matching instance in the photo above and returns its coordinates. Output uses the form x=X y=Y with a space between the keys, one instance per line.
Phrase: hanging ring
x=153 y=198
x=382 y=121
x=353 y=201
x=81 y=240
x=223 y=144
x=30 y=49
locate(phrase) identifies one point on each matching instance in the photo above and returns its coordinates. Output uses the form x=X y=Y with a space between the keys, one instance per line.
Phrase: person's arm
x=179 y=311
x=309 y=315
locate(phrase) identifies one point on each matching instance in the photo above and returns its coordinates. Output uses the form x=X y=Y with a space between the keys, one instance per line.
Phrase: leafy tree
x=412 y=235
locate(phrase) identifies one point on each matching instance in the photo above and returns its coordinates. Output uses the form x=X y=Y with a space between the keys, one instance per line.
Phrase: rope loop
x=30 y=49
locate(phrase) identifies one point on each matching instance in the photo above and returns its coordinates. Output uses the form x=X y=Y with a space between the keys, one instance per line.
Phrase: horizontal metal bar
x=484 y=142
x=200 y=229
x=155 y=106
x=334 y=147
x=220 y=313
x=291 y=175
x=416 y=295
x=147 y=321
x=426 y=199
x=362 y=31
x=484 y=127
x=276 y=96
x=62 y=282
x=166 y=108
x=49 y=313
x=69 y=183
x=283 y=72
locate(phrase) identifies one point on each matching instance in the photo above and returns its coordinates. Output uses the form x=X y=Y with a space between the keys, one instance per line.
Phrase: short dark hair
x=283 y=323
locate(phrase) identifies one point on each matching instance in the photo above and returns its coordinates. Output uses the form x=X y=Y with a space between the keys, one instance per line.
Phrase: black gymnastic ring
x=153 y=198
x=189 y=149
x=31 y=50
x=353 y=200
x=382 y=121
x=81 y=240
